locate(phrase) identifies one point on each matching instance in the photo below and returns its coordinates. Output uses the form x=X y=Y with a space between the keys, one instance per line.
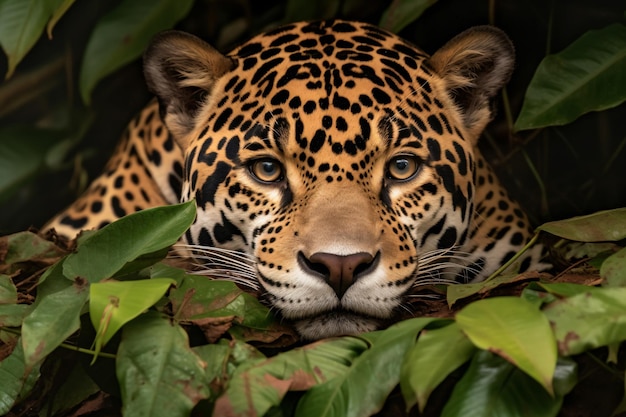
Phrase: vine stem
x=66 y=345
x=514 y=258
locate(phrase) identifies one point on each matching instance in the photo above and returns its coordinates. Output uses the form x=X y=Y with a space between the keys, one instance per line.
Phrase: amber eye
x=266 y=170
x=402 y=167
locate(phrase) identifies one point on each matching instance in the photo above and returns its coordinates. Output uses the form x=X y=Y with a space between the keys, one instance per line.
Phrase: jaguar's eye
x=267 y=170
x=402 y=167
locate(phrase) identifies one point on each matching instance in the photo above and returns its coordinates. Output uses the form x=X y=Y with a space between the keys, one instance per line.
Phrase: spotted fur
x=339 y=160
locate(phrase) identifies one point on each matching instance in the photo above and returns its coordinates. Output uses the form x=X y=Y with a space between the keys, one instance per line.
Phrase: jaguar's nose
x=340 y=272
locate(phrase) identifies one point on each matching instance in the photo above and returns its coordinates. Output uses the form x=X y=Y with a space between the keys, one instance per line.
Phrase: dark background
x=555 y=172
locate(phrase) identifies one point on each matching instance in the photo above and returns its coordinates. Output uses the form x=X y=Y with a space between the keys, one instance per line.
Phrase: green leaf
x=426 y=367
x=112 y=304
x=134 y=268
x=586 y=76
x=255 y=388
x=28 y=246
x=514 y=329
x=13 y=315
x=537 y=296
x=594 y=250
x=401 y=13
x=493 y=387
x=123 y=34
x=23 y=152
x=159 y=374
x=223 y=358
x=21 y=24
x=613 y=269
x=62 y=7
x=55 y=315
x=215 y=305
x=565 y=376
x=106 y=251
x=565 y=289
x=198 y=297
x=607 y=225
x=588 y=320
x=76 y=387
x=16 y=379
x=457 y=292
x=8 y=291
x=353 y=394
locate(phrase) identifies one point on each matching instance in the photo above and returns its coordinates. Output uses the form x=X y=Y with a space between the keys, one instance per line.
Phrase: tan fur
x=183 y=69
x=476 y=64
x=332 y=118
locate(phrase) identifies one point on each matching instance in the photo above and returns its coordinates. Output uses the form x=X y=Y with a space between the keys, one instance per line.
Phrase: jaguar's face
x=338 y=160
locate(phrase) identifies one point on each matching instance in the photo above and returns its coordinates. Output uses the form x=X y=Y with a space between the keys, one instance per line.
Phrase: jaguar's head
x=336 y=154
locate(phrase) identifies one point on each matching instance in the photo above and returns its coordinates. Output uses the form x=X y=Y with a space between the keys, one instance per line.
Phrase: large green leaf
x=112 y=304
x=586 y=76
x=106 y=251
x=21 y=24
x=607 y=225
x=493 y=387
x=159 y=374
x=400 y=13
x=353 y=394
x=255 y=388
x=514 y=329
x=588 y=320
x=16 y=379
x=55 y=315
x=123 y=34
x=426 y=367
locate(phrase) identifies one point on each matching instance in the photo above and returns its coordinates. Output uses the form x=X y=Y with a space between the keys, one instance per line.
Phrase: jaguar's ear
x=181 y=70
x=475 y=65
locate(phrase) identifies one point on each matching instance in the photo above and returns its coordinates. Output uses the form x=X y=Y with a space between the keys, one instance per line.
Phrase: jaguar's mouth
x=318 y=310
x=337 y=322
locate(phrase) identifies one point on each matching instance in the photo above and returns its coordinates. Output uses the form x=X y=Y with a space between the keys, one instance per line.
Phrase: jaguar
x=336 y=164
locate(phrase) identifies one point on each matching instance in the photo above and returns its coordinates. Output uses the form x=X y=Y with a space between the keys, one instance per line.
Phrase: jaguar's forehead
x=338 y=41
x=336 y=66
x=330 y=85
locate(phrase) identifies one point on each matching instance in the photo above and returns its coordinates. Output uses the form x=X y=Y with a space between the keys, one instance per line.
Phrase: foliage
x=401 y=13
x=22 y=23
x=588 y=75
x=511 y=343
x=122 y=35
x=116 y=302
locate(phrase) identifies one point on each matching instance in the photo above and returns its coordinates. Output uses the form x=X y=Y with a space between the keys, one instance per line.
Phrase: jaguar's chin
x=336 y=323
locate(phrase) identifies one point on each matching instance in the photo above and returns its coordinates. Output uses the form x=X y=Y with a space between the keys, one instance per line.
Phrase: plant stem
x=514 y=258
x=65 y=345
